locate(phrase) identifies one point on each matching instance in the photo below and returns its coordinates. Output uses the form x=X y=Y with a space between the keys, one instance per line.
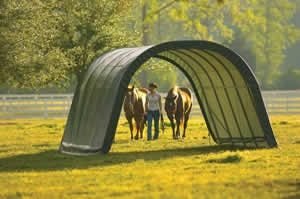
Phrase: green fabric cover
x=225 y=87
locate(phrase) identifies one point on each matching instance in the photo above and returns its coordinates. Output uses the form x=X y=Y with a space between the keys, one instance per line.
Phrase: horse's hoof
x=136 y=138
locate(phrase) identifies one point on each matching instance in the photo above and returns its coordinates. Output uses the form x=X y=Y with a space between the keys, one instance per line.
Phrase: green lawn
x=31 y=167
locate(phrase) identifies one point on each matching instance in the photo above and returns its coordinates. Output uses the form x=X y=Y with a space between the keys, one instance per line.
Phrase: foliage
x=46 y=43
x=202 y=20
x=31 y=166
x=162 y=24
x=265 y=27
x=240 y=45
x=290 y=79
x=266 y=24
x=161 y=72
x=55 y=39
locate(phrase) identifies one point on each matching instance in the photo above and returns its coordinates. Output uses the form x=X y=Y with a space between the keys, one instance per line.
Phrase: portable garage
x=224 y=85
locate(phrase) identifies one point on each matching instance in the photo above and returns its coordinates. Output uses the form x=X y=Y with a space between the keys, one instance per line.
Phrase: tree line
x=50 y=43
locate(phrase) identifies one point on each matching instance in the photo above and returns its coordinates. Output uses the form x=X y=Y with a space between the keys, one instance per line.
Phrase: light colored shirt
x=153 y=101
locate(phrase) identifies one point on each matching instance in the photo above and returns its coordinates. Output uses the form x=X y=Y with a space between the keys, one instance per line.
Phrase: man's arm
x=146 y=105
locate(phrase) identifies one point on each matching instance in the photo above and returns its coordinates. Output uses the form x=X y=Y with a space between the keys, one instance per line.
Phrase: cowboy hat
x=153 y=85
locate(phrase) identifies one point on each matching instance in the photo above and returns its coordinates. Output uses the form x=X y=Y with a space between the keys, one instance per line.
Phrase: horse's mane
x=143 y=90
x=140 y=96
x=172 y=91
x=177 y=89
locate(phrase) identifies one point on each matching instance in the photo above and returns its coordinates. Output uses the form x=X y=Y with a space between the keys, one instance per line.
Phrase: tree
x=202 y=19
x=290 y=79
x=157 y=71
x=243 y=47
x=46 y=42
x=54 y=39
x=5 y=43
x=266 y=24
x=151 y=12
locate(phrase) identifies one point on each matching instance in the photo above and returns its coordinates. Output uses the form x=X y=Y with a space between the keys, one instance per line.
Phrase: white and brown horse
x=134 y=108
x=178 y=106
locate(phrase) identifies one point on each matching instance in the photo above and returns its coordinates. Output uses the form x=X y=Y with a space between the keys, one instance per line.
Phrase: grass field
x=31 y=167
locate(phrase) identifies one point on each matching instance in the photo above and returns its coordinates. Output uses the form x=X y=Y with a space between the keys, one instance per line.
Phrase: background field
x=31 y=167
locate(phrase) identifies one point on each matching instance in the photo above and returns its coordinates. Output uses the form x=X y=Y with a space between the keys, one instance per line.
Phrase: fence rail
x=58 y=105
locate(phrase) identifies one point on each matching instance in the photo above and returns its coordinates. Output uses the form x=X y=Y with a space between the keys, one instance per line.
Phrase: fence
x=282 y=102
x=58 y=105
x=34 y=106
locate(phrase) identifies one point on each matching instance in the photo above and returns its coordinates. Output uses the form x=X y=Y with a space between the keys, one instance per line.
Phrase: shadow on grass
x=226 y=160
x=53 y=160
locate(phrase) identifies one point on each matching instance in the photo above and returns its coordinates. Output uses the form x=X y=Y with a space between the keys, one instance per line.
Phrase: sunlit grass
x=31 y=167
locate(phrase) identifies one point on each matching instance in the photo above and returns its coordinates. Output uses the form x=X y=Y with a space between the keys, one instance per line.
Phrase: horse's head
x=131 y=98
x=171 y=102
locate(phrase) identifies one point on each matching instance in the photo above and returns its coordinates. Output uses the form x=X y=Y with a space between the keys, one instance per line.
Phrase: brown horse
x=178 y=107
x=134 y=108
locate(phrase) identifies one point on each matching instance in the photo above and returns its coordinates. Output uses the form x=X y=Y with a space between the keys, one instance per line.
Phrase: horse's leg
x=137 y=124
x=177 y=129
x=186 y=119
x=178 y=123
x=142 y=127
x=173 y=129
x=130 y=126
x=172 y=125
x=185 y=123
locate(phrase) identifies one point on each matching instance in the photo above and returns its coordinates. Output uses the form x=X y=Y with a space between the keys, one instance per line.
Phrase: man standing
x=153 y=110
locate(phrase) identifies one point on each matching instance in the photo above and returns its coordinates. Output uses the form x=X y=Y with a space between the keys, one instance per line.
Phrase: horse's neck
x=140 y=94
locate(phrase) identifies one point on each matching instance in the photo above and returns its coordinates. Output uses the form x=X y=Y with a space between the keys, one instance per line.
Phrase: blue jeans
x=153 y=115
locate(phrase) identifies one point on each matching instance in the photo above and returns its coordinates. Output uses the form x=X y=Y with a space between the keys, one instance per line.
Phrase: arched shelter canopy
x=224 y=85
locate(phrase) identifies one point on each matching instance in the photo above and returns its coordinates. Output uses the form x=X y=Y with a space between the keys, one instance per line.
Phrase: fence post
x=287 y=104
x=4 y=108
